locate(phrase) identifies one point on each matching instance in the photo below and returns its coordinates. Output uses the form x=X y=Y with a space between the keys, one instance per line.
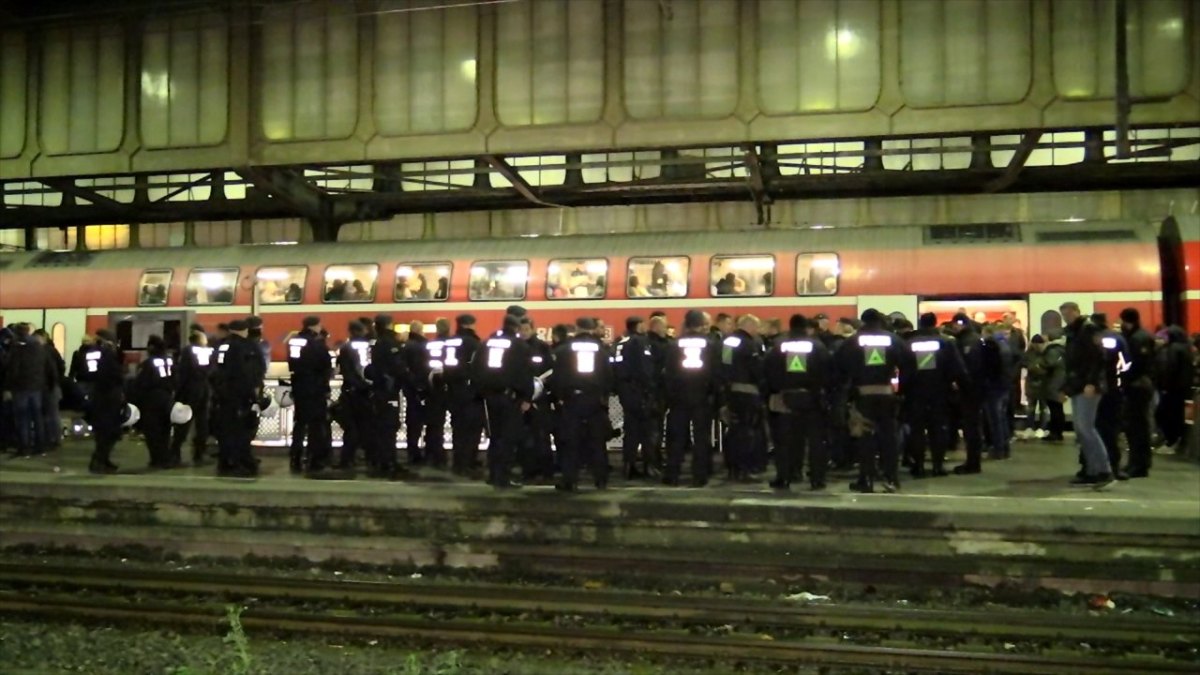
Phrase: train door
x=981 y=310
x=133 y=329
x=66 y=328
x=890 y=304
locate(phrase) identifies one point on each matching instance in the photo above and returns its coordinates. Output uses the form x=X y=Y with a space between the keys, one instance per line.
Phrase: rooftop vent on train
x=1059 y=236
x=972 y=234
x=63 y=259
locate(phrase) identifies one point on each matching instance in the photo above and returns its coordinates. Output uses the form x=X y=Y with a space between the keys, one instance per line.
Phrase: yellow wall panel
x=12 y=93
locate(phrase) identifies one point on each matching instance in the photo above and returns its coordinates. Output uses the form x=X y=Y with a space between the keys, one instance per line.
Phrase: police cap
x=585 y=323
x=310 y=321
x=238 y=325
x=928 y=320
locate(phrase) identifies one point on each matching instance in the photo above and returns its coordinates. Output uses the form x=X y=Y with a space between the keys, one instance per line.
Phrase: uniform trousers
x=802 y=431
x=929 y=423
x=466 y=426
x=504 y=433
x=584 y=436
x=880 y=442
x=690 y=420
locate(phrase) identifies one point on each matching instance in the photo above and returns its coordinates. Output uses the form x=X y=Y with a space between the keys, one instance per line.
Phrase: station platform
x=1017 y=522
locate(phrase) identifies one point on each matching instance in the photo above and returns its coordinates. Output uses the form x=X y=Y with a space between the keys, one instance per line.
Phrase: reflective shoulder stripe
x=732 y=341
x=298 y=342
x=693 y=342
x=1109 y=342
x=796 y=347
x=874 y=340
x=925 y=346
x=454 y=342
x=499 y=343
x=585 y=347
x=537 y=359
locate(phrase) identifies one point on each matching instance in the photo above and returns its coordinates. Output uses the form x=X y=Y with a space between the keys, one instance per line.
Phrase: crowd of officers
x=875 y=392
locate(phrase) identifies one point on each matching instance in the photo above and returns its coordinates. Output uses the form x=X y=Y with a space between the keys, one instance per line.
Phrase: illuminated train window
x=350 y=283
x=578 y=278
x=281 y=285
x=658 y=277
x=504 y=280
x=741 y=275
x=817 y=273
x=417 y=282
x=152 y=289
x=211 y=286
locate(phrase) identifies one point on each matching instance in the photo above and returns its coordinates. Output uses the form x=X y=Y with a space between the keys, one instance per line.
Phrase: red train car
x=1029 y=269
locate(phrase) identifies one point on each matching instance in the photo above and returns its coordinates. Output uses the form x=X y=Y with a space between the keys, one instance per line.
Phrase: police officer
x=1138 y=382
x=192 y=388
x=155 y=387
x=690 y=378
x=581 y=381
x=633 y=370
x=1110 y=414
x=308 y=360
x=105 y=369
x=659 y=343
x=536 y=455
x=237 y=397
x=416 y=390
x=970 y=394
x=797 y=372
x=938 y=375
x=504 y=375
x=869 y=360
x=741 y=368
x=386 y=373
x=353 y=407
x=466 y=407
x=435 y=397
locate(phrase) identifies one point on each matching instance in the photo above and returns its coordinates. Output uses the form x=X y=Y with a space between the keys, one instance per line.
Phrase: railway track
x=638 y=623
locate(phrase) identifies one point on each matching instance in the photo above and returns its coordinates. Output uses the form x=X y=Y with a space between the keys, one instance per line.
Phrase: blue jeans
x=1083 y=415
x=27 y=415
x=995 y=410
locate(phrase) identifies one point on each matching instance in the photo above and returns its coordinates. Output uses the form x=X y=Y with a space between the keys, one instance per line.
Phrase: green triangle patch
x=875 y=358
x=796 y=364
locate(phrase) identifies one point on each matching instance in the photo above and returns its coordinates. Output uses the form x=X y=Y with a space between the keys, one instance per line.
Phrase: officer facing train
x=869 y=360
x=386 y=373
x=503 y=373
x=192 y=388
x=435 y=397
x=939 y=373
x=353 y=407
x=308 y=361
x=237 y=396
x=155 y=387
x=798 y=372
x=537 y=455
x=582 y=380
x=741 y=370
x=633 y=371
x=690 y=377
x=466 y=407
x=102 y=362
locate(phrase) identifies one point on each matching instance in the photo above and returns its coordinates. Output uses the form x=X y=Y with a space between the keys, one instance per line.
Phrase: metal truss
x=328 y=196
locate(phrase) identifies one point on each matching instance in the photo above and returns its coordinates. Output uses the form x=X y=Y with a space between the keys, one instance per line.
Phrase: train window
x=817 y=274
x=211 y=286
x=745 y=275
x=576 y=278
x=422 y=281
x=152 y=290
x=658 y=277
x=499 y=280
x=281 y=285
x=350 y=283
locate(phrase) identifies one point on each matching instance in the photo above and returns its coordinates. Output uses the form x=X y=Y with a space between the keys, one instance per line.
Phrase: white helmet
x=284 y=396
x=130 y=415
x=181 y=413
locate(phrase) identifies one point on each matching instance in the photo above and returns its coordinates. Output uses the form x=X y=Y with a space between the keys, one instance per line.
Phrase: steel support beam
x=1016 y=164
x=758 y=187
x=520 y=184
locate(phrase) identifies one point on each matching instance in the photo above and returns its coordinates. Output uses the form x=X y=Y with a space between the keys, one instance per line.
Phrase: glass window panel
x=504 y=280
x=817 y=274
x=281 y=285
x=422 y=281
x=350 y=283
x=13 y=86
x=152 y=289
x=752 y=275
x=578 y=278
x=665 y=277
x=211 y=286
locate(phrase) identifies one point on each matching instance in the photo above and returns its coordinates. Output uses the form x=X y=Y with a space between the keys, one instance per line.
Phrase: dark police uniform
x=354 y=404
x=435 y=403
x=192 y=388
x=105 y=371
x=155 y=387
x=1109 y=416
x=869 y=360
x=503 y=373
x=386 y=373
x=690 y=378
x=741 y=369
x=797 y=372
x=308 y=360
x=466 y=407
x=970 y=397
x=582 y=380
x=939 y=372
x=416 y=390
x=237 y=392
x=633 y=369
x=537 y=455
x=1138 y=382
x=657 y=402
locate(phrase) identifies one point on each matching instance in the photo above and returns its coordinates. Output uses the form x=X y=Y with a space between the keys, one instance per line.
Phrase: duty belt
x=743 y=388
x=875 y=389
